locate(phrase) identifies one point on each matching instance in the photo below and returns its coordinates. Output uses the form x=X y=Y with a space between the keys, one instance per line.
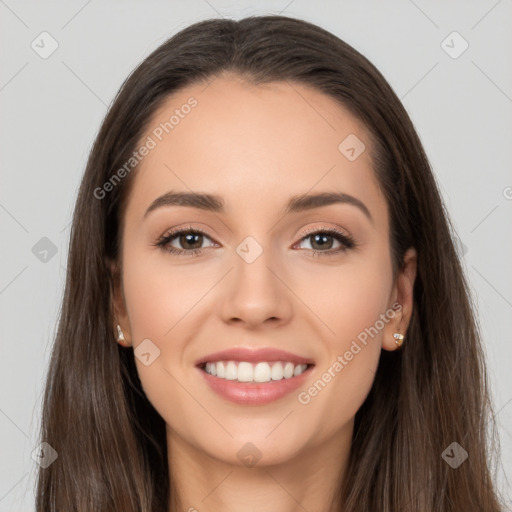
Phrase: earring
x=399 y=338
x=120 y=336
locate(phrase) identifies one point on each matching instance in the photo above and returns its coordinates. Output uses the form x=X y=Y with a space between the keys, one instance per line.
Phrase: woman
x=314 y=347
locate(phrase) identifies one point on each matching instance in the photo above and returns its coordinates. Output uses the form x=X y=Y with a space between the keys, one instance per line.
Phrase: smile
x=244 y=371
x=239 y=384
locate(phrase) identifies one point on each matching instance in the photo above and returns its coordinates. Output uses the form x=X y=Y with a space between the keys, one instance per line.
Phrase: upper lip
x=253 y=356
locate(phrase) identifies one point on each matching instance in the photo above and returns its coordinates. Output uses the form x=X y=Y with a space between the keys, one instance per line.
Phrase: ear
x=118 y=305
x=402 y=295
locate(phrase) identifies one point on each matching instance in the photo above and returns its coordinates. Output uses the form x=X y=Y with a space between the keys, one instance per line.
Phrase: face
x=257 y=269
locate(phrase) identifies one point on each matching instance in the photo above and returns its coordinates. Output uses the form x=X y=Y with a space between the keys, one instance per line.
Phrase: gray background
x=51 y=110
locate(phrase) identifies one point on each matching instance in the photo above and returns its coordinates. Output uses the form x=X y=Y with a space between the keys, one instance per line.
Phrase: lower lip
x=255 y=393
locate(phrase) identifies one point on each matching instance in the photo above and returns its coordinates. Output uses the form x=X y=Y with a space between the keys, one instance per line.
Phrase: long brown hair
x=111 y=442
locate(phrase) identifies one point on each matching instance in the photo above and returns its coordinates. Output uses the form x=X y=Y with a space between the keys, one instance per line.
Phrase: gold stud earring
x=399 y=338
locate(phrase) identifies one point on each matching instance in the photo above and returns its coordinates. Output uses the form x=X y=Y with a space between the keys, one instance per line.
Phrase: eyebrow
x=215 y=203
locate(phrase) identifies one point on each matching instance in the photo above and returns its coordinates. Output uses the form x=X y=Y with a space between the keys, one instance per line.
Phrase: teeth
x=257 y=372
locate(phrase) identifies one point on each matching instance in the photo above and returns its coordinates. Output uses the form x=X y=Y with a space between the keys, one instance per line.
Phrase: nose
x=256 y=294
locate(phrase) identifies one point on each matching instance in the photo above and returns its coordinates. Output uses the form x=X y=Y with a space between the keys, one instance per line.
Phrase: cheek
x=163 y=300
x=351 y=303
x=347 y=299
x=159 y=295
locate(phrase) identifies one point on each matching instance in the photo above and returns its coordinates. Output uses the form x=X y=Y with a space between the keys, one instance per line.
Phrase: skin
x=256 y=146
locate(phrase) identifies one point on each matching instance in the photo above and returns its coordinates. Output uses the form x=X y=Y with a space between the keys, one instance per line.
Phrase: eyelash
x=346 y=240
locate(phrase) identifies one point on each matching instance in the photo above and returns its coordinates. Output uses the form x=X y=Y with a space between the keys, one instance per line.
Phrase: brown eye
x=322 y=241
x=190 y=240
x=186 y=242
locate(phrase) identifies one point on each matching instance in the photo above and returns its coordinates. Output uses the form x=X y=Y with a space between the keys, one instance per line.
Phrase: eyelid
x=322 y=229
x=173 y=232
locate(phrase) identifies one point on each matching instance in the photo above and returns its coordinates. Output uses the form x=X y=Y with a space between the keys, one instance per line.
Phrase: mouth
x=254 y=377
x=254 y=372
x=243 y=364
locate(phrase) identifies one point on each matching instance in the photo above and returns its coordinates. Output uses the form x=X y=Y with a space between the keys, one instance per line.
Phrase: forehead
x=254 y=143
